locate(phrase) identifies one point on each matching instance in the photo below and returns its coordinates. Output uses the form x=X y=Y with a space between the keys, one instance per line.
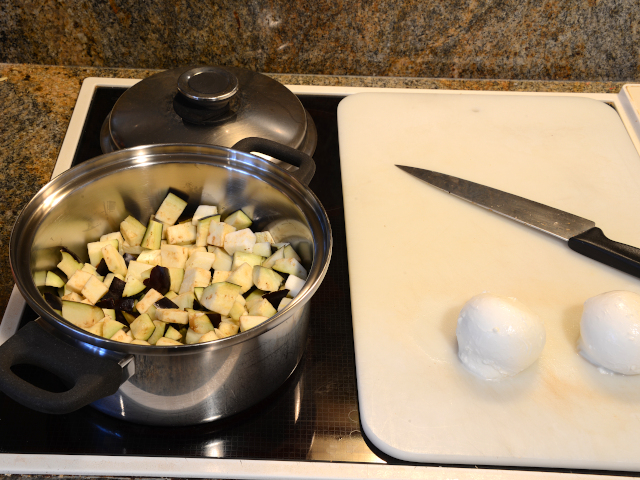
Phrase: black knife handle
x=594 y=244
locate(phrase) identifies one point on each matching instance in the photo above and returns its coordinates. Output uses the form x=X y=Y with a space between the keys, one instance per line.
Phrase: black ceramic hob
x=313 y=416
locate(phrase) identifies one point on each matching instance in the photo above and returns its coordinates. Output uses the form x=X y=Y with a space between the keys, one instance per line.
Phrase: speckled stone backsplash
x=508 y=39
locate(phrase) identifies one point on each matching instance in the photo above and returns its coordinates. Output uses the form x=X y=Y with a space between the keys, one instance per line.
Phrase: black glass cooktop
x=313 y=416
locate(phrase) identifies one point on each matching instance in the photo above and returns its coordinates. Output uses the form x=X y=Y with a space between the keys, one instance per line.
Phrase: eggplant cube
x=73 y=297
x=248 y=322
x=81 y=314
x=223 y=260
x=203 y=211
x=87 y=267
x=172 y=315
x=133 y=287
x=96 y=329
x=220 y=297
x=132 y=230
x=68 y=264
x=220 y=276
x=237 y=310
x=243 y=276
x=153 y=236
x=192 y=337
x=78 y=280
x=262 y=237
x=226 y=329
x=200 y=324
x=195 y=277
x=172 y=333
x=114 y=236
x=253 y=297
x=289 y=252
x=158 y=332
x=184 y=300
x=277 y=255
x=170 y=209
x=122 y=336
x=174 y=256
x=240 y=257
x=202 y=231
x=294 y=285
x=176 y=275
x=167 y=342
x=218 y=232
x=94 y=290
x=266 y=279
x=53 y=280
x=95 y=250
x=142 y=327
x=208 y=337
x=181 y=234
x=290 y=266
x=239 y=219
x=202 y=260
x=150 y=257
x=151 y=297
x=136 y=269
x=262 y=308
x=284 y=302
x=240 y=240
x=262 y=248
x=115 y=262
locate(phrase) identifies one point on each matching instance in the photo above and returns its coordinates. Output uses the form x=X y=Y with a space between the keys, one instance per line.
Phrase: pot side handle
x=306 y=165
x=91 y=377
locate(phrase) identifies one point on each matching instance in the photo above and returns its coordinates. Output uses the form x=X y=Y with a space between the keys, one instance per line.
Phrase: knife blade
x=581 y=234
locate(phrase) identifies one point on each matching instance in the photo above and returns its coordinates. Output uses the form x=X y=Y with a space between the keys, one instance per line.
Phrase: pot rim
x=138 y=157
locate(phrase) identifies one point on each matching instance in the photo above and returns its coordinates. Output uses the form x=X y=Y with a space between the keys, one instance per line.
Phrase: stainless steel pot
x=173 y=385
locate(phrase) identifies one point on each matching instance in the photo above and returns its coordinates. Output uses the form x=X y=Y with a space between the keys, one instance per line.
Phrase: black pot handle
x=306 y=165
x=90 y=377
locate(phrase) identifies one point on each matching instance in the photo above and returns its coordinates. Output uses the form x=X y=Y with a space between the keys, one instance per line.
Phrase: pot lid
x=207 y=105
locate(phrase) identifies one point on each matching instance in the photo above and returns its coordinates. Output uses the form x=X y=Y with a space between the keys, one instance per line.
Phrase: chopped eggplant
x=170 y=209
x=172 y=283
x=153 y=236
x=239 y=220
x=276 y=297
x=159 y=279
x=164 y=302
x=54 y=301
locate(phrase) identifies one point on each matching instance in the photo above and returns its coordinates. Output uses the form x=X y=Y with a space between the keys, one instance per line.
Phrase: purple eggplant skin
x=120 y=318
x=215 y=318
x=54 y=301
x=75 y=257
x=117 y=287
x=159 y=279
x=107 y=302
x=128 y=257
x=102 y=268
x=275 y=297
x=112 y=298
x=164 y=302
x=126 y=304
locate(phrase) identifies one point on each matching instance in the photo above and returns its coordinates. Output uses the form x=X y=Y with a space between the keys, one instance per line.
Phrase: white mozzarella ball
x=610 y=332
x=498 y=336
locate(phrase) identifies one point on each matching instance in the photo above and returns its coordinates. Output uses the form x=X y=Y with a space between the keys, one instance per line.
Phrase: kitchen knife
x=582 y=235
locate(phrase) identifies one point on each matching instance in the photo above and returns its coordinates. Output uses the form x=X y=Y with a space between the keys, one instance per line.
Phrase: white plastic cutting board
x=417 y=254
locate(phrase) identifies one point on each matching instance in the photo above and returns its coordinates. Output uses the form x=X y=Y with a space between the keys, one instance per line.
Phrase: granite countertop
x=38 y=102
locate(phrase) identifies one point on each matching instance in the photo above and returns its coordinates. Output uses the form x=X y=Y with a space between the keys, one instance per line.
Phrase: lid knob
x=208 y=84
x=204 y=94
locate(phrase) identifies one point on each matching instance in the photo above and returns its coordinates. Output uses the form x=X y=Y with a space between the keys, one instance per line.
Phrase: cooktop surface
x=313 y=416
